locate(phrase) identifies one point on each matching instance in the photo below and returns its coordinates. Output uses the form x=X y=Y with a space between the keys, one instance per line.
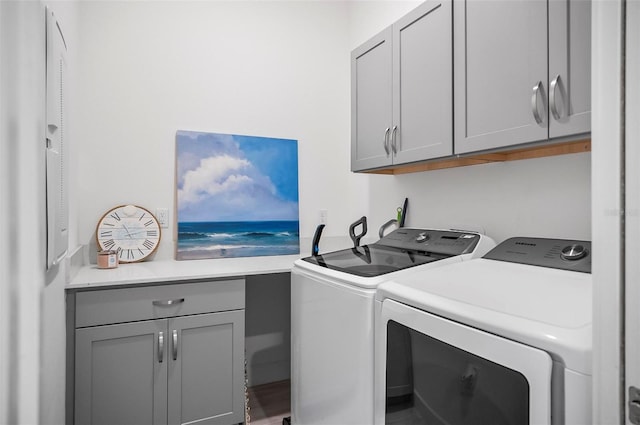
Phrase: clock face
x=132 y=231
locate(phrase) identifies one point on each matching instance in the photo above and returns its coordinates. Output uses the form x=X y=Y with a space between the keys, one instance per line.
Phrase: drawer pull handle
x=160 y=347
x=165 y=303
x=175 y=344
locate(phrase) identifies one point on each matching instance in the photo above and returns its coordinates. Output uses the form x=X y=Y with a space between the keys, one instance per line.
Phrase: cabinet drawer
x=154 y=302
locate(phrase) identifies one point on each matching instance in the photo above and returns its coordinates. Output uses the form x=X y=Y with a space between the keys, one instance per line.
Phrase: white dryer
x=503 y=339
x=332 y=318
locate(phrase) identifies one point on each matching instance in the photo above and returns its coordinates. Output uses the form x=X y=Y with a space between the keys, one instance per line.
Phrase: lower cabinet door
x=121 y=374
x=206 y=368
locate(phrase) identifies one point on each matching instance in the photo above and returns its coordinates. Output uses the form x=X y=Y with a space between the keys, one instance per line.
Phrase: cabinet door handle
x=552 y=97
x=394 y=146
x=385 y=143
x=166 y=303
x=160 y=347
x=175 y=344
x=534 y=102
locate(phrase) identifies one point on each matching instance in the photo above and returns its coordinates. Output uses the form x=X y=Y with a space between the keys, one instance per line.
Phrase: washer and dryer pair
x=503 y=339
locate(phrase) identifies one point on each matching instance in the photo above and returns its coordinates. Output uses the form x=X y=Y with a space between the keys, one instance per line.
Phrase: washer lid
x=401 y=249
x=538 y=306
x=372 y=260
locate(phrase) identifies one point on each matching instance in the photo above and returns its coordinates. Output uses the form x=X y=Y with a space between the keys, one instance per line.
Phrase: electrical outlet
x=162 y=214
x=323 y=216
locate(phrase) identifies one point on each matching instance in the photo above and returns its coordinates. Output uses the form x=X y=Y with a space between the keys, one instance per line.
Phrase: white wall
x=545 y=197
x=275 y=69
x=22 y=77
x=278 y=69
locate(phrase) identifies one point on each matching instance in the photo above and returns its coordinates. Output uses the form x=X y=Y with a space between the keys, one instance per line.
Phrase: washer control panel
x=562 y=254
x=437 y=241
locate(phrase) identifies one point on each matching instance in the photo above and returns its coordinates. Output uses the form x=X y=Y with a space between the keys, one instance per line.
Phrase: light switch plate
x=162 y=214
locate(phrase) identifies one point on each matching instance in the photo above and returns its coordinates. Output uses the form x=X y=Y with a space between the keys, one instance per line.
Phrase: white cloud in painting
x=221 y=177
x=214 y=175
x=228 y=188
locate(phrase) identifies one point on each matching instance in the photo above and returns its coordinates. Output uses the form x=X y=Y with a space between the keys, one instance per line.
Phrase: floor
x=269 y=403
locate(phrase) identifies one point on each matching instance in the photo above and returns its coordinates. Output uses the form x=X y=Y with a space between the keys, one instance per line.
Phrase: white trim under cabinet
x=160 y=354
x=401 y=91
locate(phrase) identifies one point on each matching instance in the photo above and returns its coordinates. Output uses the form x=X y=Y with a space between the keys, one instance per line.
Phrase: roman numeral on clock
x=147 y=244
x=148 y=223
x=152 y=233
x=115 y=216
x=108 y=244
x=106 y=233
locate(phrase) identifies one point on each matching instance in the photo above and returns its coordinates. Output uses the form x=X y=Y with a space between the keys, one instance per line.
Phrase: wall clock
x=132 y=231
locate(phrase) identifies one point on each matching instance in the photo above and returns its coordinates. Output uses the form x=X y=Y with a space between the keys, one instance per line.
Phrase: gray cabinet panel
x=422 y=75
x=136 y=373
x=206 y=378
x=371 y=98
x=500 y=54
x=569 y=67
x=401 y=91
x=119 y=378
x=110 y=306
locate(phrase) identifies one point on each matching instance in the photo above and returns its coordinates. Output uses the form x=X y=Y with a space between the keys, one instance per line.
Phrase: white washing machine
x=332 y=318
x=503 y=339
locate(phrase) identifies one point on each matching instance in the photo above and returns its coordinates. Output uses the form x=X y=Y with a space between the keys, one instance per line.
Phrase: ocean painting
x=237 y=196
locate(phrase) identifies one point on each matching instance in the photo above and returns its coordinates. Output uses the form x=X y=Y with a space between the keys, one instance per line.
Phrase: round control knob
x=573 y=252
x=422 y=237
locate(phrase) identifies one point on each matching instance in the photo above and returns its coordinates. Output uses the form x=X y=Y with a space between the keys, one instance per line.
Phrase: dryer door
x=432 y=370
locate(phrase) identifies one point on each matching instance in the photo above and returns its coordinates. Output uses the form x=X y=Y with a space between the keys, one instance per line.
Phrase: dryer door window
x=431 y=382
x=432 y=370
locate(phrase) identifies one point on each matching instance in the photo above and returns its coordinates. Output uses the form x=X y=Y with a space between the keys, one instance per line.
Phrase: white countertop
x=154 y=271
x=171 y=270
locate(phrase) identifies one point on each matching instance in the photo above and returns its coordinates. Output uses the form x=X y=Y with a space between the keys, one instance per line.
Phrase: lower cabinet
x=174 y=370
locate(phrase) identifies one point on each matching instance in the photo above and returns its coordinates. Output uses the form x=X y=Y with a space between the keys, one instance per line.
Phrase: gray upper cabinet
x=401 y=91
x=371 y=110
x=500 y=55
x=521 y=71
x=569 y=67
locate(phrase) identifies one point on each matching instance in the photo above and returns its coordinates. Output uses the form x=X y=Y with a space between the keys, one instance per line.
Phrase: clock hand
x=127 y=230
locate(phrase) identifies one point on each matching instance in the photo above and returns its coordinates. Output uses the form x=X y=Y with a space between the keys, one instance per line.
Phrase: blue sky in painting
x=223 y=177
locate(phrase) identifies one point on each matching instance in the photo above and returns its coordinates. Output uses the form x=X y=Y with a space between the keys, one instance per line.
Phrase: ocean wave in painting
x=237 y=239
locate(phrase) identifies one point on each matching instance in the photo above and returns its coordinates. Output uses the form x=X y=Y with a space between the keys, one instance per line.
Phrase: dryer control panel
x=562 y=254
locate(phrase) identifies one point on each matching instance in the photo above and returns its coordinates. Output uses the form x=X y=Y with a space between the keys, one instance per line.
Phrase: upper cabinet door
x=422 y=84
x=569 y=67
x=371 y=103
x=500 y=73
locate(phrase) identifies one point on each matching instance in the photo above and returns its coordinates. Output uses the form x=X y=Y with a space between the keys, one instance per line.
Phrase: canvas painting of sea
x=237 y=196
